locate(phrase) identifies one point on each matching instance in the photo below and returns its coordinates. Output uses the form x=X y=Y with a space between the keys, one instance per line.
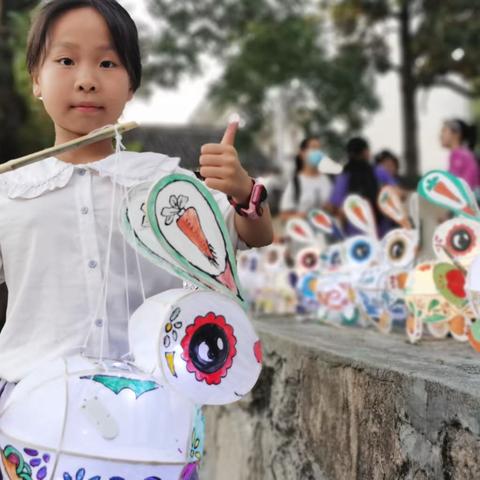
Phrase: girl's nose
x=86 y=83
x=86 y=86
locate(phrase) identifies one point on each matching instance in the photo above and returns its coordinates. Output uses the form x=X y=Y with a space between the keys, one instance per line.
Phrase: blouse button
x=84 y=210
x=99 y=322
x=82 y=171
x=92 y=264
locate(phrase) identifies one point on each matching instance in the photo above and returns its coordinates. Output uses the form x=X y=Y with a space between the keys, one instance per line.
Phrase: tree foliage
x=437 y=43
x=265 y=45
x=24 y=125
x=439 y=29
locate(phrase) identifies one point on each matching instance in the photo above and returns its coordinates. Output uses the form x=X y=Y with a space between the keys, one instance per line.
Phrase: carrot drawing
x=298 y=229
x=357 y=210
x=322 y=220
x=440 y=188
x=188 y=222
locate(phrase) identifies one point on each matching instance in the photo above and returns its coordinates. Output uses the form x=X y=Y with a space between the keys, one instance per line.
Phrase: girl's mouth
x=87 y=108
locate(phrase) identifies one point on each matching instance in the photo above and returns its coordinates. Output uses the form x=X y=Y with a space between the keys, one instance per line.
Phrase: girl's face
x=81 y=80
x=313 y=145
x=448 y=138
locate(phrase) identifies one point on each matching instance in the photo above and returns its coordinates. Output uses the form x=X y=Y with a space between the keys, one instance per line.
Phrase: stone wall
x=350 y=404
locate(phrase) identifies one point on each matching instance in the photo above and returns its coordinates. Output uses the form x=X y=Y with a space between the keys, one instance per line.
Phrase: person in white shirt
x=84 y=62
x=308 y=188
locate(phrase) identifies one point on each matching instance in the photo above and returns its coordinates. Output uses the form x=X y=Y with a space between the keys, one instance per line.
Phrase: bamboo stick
x=95 y=136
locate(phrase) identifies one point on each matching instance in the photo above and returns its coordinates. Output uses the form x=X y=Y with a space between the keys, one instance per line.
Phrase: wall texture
x=350 y=404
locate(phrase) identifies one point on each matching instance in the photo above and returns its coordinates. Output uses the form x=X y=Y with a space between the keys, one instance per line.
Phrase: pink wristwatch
x=254 y=209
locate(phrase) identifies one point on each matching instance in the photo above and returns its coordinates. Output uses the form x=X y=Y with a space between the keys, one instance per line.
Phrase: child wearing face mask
x=308 y=188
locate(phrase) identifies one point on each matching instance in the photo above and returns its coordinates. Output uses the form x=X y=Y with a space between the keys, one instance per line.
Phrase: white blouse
x=314 y=193
x=54 y=225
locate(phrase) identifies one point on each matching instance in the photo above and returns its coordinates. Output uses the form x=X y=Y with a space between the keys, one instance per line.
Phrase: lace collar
x=49 y=174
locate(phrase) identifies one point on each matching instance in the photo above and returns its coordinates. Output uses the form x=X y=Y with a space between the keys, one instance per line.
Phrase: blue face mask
x=314 y=157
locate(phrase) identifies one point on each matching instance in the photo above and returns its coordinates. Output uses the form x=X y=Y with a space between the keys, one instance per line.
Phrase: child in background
x=308 y=188
x=388 y=162
x=360 y=177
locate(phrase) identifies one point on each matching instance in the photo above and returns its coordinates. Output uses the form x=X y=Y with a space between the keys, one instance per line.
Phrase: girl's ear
x=37 y=92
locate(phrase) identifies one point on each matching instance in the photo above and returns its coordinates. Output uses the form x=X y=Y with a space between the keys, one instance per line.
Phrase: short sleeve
x=287 y=203
x=383 y=177
x=325 y=189
x=340 y=190
x=464 y=165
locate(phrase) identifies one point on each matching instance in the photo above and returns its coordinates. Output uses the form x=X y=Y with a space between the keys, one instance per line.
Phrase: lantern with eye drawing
x=89 y=417
x=456 y=243
x=381 y=289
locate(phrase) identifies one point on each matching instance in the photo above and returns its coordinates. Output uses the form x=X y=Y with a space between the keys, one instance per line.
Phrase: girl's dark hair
x=297 y=191
x=121 y=26
x=383 y=155
x=361 y=175
x=468 y=133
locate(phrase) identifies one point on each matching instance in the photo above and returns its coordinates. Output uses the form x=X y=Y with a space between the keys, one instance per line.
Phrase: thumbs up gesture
x=221 y=167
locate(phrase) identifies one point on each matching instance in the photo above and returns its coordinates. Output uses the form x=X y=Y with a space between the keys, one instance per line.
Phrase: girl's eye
x=67 y=62
x=107 y=64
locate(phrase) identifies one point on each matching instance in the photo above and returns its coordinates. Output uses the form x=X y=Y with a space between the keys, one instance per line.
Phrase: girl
x=360 y=177
x=460 y=139
x=83 y=58
x=308 y=188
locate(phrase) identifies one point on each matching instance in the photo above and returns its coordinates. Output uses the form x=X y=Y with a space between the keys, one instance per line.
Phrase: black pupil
x=209 y=348
x=361 y=251
x=461 y=241
x=309 y=260
x=397 y=250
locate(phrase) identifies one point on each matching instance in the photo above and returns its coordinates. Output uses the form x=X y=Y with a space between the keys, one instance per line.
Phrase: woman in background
x=360 y=177
x=308 y=188
x=460 y=139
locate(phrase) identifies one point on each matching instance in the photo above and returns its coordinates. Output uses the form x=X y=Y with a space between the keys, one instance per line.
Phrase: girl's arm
x=222 y=170
x=255 y=233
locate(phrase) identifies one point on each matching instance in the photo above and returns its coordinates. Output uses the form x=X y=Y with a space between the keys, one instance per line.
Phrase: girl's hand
x=221 y=167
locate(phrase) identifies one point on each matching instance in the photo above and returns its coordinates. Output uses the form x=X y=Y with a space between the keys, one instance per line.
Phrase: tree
x=436 y=39
x=265 y=45
x=23 y=125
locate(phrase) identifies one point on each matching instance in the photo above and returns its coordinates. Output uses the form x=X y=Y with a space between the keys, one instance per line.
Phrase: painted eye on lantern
x=461 y=239
x=397 y=250
x=309 y=260
x=272 y=257
x=209 y=348
x=399 y=247
x=209 y=351
x=361 y=251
